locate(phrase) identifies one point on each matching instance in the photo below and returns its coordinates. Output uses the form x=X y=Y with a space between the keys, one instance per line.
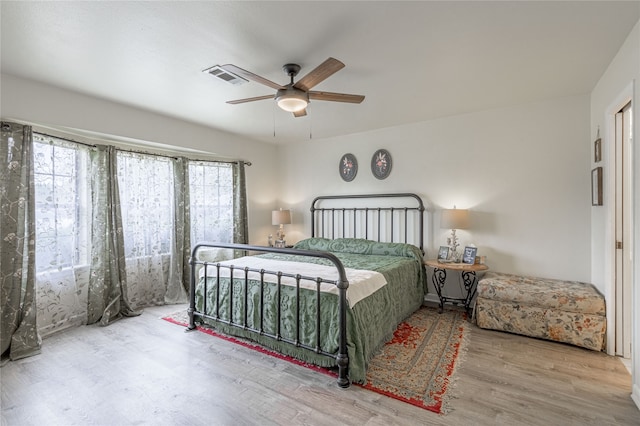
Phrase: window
x=146 y=202
x=211 y=195
x=61 y=202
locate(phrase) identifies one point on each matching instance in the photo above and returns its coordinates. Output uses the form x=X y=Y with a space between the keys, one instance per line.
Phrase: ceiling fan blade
x=250 y=76
x=300 y=113
x=336 y=97
x=319 y=74
x=245 y=100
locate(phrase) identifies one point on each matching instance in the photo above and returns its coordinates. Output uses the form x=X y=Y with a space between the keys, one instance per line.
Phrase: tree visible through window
x=62 y=231
x=211 y=193
x=61 y=201
x=146 y=199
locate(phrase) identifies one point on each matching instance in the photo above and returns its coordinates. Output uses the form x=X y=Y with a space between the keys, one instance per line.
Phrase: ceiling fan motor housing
x=291 y=70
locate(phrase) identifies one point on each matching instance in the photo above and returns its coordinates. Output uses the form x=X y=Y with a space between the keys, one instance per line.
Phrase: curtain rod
x=247 y=163
x=66 y=139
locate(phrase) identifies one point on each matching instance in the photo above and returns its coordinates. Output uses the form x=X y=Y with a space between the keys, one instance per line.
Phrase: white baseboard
x=635 y=395
x=431 y=298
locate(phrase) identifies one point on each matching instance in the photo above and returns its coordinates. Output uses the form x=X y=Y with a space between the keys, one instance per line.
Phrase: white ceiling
x=414 y=61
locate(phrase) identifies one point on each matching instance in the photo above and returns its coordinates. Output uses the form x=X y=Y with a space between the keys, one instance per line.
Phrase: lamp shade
x=281 y=217
x=454 y=219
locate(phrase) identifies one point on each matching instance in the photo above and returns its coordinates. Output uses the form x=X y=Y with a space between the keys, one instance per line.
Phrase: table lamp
x=280 y=217
x=454 y=219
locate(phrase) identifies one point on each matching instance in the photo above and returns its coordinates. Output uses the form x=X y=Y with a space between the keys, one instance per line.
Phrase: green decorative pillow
x=321 y=244
x=360 y=246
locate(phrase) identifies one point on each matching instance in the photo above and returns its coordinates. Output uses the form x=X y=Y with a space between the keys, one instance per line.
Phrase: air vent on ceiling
x=225 y=75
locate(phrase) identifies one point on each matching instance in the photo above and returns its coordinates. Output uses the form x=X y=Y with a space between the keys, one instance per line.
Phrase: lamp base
x=452 y=241
x=454 y=256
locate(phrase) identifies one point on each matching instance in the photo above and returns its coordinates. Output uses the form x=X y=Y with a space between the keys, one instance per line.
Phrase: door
x=623 y=242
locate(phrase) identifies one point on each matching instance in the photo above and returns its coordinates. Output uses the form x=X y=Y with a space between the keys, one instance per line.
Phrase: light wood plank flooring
x=145 y=371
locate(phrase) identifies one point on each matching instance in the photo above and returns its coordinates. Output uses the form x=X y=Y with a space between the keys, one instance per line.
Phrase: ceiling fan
x=294 y=97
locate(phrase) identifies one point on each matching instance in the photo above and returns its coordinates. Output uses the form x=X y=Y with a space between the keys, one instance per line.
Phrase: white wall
x=620 y=81
x=44 y=105
x=523 y=172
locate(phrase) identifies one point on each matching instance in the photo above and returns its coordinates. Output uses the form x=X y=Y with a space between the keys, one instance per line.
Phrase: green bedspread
x=370 y=323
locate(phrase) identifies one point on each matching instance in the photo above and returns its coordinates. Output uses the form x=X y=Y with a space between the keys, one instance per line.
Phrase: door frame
x=625 y=96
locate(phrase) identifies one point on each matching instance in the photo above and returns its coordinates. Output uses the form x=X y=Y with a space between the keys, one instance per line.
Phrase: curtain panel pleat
x=19 y=336
x=240 y=220
x=108 y=296
x=177 y=285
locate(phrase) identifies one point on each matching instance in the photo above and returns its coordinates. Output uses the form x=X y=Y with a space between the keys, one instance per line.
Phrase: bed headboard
x=397 y=218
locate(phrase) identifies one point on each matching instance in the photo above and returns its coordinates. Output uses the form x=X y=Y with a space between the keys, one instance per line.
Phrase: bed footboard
x=341 y=357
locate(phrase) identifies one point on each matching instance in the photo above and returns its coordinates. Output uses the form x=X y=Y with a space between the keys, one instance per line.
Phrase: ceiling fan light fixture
x=292 y=99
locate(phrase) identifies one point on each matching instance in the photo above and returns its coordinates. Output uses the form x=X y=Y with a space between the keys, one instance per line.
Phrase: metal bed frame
x=361 y=221
x=346 y=221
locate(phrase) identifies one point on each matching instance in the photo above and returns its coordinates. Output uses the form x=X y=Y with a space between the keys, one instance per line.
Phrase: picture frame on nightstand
x=469 y=256
x=443 y=253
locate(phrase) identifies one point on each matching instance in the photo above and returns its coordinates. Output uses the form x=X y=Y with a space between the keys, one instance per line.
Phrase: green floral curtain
x=240 y=222
x=108 y=292
x=19 y=336
x=178 y=283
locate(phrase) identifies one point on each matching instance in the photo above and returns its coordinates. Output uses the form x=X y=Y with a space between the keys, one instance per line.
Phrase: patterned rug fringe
x=453 y=393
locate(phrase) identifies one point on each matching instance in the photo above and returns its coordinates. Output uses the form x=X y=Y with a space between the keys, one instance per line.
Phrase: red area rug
x=416 y=366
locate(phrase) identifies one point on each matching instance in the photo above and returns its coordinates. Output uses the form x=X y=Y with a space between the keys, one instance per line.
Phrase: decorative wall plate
x=348 y=167
x=381 y=164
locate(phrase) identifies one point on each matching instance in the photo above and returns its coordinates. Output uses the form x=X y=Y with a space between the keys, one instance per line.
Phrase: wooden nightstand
x=468 y=275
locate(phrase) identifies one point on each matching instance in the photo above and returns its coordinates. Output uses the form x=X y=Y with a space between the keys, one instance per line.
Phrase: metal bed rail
x=387 y=223
x=341 y=358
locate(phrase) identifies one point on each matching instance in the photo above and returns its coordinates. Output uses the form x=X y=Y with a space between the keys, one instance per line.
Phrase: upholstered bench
x=563 y=311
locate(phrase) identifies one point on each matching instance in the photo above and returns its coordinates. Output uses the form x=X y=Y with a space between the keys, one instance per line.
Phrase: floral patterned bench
x=563 y=311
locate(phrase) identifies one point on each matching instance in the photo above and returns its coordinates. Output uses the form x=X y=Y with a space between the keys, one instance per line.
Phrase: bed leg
x=343 y=358
x=343 y=371
x=192 y=288
x=192 y=323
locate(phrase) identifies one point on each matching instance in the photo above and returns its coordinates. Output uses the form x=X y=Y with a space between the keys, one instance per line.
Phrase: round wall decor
x=381 y=164
x=348 y=167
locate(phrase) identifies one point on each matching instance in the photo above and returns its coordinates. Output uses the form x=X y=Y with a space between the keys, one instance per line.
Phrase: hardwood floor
x=143 y=370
